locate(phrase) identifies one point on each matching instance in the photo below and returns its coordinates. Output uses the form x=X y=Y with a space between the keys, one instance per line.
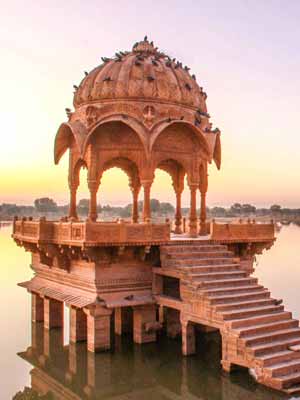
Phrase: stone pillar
x=157 y=284
x=143 y=315
x=178 y=215
x=93 y=188
x=37 y=308
x=193 y=211
x=37 y=337
x=78 y=325
x=53 y=342
x=53 y=313
x=73 y=204
x=146 y=205
x=98 y=329
x=123 y=320
x=188 y=338
x=203 y=231
x=135 y=205
x=227 y=366
x=172 y=322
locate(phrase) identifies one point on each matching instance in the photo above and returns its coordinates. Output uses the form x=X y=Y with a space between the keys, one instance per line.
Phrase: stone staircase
x=256 y=330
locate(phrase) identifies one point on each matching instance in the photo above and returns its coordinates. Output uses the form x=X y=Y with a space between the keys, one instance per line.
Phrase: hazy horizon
x=245 y=55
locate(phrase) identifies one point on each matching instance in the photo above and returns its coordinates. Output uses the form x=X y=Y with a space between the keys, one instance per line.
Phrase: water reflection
x=153 y=371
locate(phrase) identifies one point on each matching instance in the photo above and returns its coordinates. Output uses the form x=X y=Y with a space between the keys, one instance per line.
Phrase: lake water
x=153 y=371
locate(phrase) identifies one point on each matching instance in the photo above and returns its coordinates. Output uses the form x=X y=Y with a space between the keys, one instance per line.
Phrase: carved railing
x=242 y=232
x=90 y=233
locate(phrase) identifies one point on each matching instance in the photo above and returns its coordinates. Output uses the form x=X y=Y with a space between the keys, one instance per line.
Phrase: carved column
x=93 y=188
x=53 y=313
x=37 y=308
x=146 y=205
x=178 y=215
x=203 y=230
x=188 y=338
x=98 y=329
x=143 y=316
x=73 y=204
x=78 y=325
x=135 y=205
x=193 y=211
x=203 y=190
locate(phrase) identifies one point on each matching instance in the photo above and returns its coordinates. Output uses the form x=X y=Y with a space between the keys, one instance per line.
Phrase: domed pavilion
x=139 y=111
x=142 y=111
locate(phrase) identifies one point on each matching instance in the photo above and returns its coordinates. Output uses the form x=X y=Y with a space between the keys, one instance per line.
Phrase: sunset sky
x=244 y=53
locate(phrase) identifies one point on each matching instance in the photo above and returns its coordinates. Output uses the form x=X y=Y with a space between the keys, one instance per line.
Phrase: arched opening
x=169 y=174
x=119 y=189
x=83 y=194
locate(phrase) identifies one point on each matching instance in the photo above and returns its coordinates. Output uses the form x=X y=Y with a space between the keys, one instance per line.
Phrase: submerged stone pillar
x=146 y=204
x=123 y=320
x=98 y=328
x=188 y=338
x=53 y=313
x=193 y=211
x=173 y=325
x=37 y=308
x=78 y=325
x=143 y=317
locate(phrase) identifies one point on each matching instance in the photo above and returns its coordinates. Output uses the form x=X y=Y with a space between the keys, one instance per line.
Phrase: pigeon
x=150 y=78
x=278 y=302
x=86 y=73
x=105 y=59
x=145 y=38
x=107 y=79
x=130 y=297
x=188 y=86
x=194 y=77
x=68 y=110
x=75 y=87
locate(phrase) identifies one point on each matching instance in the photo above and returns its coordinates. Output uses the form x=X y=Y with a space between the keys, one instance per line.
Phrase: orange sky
x=248 y=64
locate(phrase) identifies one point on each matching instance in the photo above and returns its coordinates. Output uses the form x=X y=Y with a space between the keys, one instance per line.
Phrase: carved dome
x=144 y=73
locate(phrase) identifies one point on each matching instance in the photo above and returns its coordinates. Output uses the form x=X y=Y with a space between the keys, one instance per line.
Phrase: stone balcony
x=86 y=233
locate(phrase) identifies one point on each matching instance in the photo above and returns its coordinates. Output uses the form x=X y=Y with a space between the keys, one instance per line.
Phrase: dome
x=144 y=73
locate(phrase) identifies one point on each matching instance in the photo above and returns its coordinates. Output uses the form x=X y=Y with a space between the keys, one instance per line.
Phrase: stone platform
x=153 y=280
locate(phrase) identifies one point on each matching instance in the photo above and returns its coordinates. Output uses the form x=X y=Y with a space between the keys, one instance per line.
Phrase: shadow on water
x=153 y=371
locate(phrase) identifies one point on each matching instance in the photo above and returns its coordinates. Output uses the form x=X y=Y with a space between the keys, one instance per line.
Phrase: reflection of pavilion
x=132 y=372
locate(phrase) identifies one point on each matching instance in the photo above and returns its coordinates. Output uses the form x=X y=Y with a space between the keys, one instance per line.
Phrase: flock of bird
x=171 y=63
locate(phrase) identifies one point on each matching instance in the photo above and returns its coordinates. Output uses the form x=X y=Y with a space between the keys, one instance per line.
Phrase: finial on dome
x=144 y=46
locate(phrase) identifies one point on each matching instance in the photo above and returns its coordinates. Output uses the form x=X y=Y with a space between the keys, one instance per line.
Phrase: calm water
x=153 y=371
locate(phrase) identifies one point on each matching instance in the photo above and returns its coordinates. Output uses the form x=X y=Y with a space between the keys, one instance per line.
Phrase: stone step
x=231 y=290
x=192 y=248
x=286 y=381
x=200 y=254
x=210 y=268
x=233 y=298
x=260 y=320
x=223 y=283
x=277 y=357
x=242 y=314
x=215 y=275
x=196 y=262
x=284 y=368
x=241 y=305
x=270 y=327
x=274 y=346
x=294 y=389
x=271 y=336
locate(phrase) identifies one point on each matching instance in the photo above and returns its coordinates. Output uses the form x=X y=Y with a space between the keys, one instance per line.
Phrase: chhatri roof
x=144 y=72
